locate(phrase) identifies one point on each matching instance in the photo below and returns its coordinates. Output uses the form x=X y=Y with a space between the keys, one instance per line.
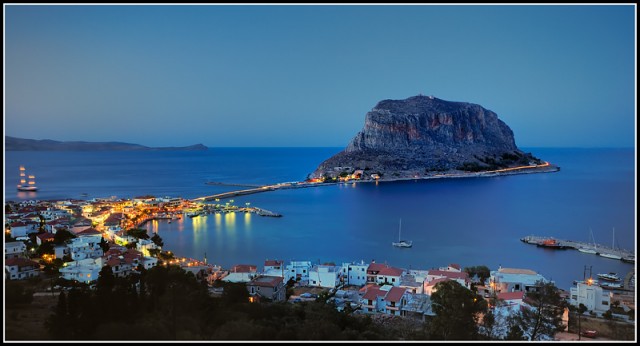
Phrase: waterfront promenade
x=597 y=249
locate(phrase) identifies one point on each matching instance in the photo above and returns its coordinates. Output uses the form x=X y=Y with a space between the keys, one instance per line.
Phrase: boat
x=400 y=242
x=609 y=277
x=613 y=246
x=629 y=259
x=588 y=249
x=25 y=185
x=610 y=285
x=551 y=243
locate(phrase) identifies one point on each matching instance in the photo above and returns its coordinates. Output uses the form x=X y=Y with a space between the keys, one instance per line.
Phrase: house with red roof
x=241 y=273
x=372 y=300
x=394 y=301
x=270 y=287
x=273 y=268
x=372 y=271
x=44 y=238
x=19 y=268
x=461 y=277
x=22 y=229
x=389 y=276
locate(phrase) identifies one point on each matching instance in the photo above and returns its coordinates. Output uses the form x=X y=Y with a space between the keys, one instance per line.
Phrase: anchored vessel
x=400 y=242
x=25 y=185
x=609 y=277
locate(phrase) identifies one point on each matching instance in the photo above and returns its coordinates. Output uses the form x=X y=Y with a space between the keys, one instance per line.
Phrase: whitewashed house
x=14 y=249
x=19 y=268
x=298 y=270
x=274 y=268
x=327 y=276
x=354 y=273
x=86 y=270
x=591 y=295
x=389 y=276
x=241 y=273
x=22 y=229
x=514 y=280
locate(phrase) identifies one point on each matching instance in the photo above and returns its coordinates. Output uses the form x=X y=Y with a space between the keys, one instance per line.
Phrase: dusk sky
x=281 y=75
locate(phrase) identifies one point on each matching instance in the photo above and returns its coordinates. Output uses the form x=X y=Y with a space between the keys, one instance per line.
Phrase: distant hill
x=23 y=144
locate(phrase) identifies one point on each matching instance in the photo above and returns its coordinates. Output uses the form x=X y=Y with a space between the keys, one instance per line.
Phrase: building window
x=393 y=280
x=604 y=302
x=574 y=297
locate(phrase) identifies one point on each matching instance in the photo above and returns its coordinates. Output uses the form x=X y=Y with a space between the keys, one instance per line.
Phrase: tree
x=157 y=240
x=104 y=245
x=457 y=310
x=57 y=323
x=106 y=281
x=138 y=233
x=61 y=236
x=544 y=317
x=581 y=310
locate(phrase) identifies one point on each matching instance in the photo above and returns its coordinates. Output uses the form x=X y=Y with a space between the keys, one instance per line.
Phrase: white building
x=22 y=229
x=84 y=247
x=274 y=268
x=20 y=268
x=354 y=273
x=85 y=270
x=241 y=273
x=514 y=280
x=298 y=270
x=389 y=276
x=14 y=249
x=327 y=276
x=592 y=296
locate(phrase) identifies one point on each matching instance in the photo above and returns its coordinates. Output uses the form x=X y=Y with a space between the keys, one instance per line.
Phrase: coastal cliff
x=23 y=144
x=424 y=135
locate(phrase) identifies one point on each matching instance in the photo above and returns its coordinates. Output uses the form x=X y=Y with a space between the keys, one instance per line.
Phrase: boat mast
x=400 y=230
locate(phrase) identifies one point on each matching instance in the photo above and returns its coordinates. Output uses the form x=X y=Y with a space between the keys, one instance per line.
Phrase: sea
x=468 y=221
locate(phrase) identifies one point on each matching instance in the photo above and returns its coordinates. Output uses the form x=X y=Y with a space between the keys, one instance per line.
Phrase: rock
x=423 y=135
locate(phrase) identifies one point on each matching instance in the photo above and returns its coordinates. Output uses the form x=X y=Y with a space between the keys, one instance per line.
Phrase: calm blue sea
x=471 y=221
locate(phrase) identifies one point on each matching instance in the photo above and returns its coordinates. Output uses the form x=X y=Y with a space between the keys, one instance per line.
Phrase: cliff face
x=424 y=134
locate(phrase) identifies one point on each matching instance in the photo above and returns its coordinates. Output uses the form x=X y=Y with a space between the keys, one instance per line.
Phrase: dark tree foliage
x=16 y=294
x=544 y=319
x=457 y=310
x=62 y=236
x=156 y=239
x=138 y=233
x=104 y=244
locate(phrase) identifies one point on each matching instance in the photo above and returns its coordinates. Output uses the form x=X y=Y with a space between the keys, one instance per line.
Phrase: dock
x=596 y=249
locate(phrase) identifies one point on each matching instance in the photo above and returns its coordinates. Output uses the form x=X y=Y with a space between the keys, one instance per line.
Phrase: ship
x=400 y=242
x=609 y=277
x=551 y=243
x=25 y=185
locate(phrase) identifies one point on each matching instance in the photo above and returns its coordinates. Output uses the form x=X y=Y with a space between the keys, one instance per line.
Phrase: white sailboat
x=400 y=242
x=613 y=246
x=588 y=249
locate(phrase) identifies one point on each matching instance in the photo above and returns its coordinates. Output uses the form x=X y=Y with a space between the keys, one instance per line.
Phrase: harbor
x=588 y=248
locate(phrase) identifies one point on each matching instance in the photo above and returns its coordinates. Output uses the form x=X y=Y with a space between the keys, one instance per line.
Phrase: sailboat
x=24 y=184
x=400 y=242
x=613 y=246
x=588 y=249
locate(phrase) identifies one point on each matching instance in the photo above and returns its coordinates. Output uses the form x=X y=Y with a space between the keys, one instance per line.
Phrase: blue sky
x=306 y=75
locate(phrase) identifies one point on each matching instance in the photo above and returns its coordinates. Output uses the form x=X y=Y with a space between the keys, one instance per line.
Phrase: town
x=70 y=242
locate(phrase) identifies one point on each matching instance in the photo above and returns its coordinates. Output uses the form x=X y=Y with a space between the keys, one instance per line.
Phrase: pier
x=231 y=184
x=589 y=248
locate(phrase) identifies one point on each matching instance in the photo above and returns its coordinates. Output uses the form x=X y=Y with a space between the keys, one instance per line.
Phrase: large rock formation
x=423 y=135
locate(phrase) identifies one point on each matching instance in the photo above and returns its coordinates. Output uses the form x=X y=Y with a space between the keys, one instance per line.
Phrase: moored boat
x=551 y=243
x=587 y=250
x=24 y=184
x=400 y=242
x=610 y=255
x=609 y=277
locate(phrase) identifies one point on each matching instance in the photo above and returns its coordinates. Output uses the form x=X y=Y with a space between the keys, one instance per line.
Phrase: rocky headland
x=422 y=137
x=23 y=144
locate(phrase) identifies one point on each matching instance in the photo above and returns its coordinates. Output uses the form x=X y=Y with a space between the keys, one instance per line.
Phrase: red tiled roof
x=511 y=295
x=21 y=262
x=267 y=281
x=454 y=265
x=366 y=288
x=376 y=267
x=18 y=224
x=391 y=271
x=244 y=268
x=373 y=292
x=45 y=236
x=395 y=294
x=272 y=263
x=88 y=232
x=435 y=281
x=451 y=275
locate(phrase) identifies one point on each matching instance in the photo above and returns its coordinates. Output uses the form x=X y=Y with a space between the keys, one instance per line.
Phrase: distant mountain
x=23 y=144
